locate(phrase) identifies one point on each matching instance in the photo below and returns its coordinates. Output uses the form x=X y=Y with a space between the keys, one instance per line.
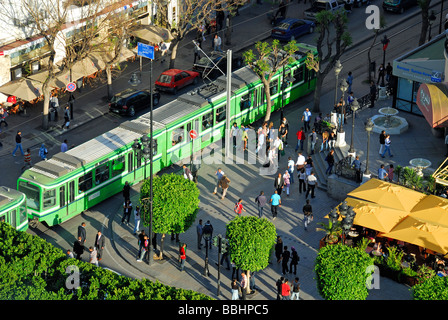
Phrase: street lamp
x=431 y=20
x=207 y=234
x=343 y=86
x=369 y=127
x=337 y=70
x=385 y=43
x=333 y=215
x=354 y=106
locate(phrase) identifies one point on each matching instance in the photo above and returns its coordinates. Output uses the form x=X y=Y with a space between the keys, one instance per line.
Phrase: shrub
x=434 y=288
x=341 y=272
x=33 y=269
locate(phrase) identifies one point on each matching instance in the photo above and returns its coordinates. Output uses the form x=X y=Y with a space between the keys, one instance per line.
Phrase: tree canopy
x=175 y=203
x=250 y=242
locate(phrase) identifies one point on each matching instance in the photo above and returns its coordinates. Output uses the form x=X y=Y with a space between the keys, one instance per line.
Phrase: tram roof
x=8 y=195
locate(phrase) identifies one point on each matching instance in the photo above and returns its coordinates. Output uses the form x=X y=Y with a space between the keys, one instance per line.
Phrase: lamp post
x=368 y=127
x=340 y=138
x=337 y=70
x=385 y=42
x=354 y=106
x=431 y=20
x=207 y=234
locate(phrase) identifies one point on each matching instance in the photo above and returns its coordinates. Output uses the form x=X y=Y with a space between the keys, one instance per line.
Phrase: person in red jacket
x=182 y=256
x=300 y=139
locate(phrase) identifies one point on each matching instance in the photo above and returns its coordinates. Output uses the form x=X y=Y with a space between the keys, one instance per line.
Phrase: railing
x=345 y=169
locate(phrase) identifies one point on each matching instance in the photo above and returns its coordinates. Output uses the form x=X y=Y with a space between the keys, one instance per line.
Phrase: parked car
x=129 y=101
x=320 y=5
x=290 y=27
x=398 y=5
x=208 y=69
x=174 y=79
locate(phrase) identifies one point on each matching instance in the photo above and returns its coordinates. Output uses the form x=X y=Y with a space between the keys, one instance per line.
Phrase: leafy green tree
x=341 y=272
x=328 y=40
x=175 y=204
x=250 y=242
x=269 y=59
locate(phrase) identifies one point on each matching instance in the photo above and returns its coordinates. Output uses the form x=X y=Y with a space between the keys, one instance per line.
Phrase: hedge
x=33 y=269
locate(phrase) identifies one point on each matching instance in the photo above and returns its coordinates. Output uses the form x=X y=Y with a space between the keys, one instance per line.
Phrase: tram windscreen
x=32 y=194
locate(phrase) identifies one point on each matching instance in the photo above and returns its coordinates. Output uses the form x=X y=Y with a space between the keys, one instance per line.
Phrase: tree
x=424 y=5
x=250 y=242
x=326 y=21
x=341 y=272
x=376 y=31
x=270 y=58
x=175 y=204
x=190 y=16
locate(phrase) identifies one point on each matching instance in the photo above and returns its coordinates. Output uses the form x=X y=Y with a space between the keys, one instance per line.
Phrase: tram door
x=71 y=194
x=62 y=198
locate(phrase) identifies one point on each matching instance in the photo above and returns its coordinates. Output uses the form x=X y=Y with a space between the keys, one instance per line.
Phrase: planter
x=323 y=242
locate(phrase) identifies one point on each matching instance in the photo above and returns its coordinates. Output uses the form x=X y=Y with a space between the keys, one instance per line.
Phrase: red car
x=174 y=79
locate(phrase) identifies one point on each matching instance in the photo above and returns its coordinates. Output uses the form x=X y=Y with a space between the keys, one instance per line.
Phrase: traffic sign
x=71 y=87
x=193 y=134
x=145 y=50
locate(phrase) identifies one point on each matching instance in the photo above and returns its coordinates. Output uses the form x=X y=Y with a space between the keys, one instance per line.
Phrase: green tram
x=74 y=181
x=13 y=208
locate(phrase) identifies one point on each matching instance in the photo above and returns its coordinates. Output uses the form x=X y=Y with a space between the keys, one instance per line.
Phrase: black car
x=129 y=101
x=207 y=69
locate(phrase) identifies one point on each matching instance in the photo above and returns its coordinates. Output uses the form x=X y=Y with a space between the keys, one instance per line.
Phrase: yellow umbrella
x=374 y=216
x=23 y=88
x=433 y=209
x=421 y=233
x=387 y=194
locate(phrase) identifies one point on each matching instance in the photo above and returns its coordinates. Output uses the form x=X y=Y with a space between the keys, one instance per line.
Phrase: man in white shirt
x=300 y=161
x=311 y=181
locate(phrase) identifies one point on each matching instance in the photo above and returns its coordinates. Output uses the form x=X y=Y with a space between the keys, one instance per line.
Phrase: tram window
x=32 y=194
x=62 y=196
x=273 y=87
x=22 y=214
x=298 y=75
x=118 y=166
x=207 y=121
x=12 y=218
x=2 y=219
x=220 y=114
x=49 y=199
x=85 y=182
x=245 y=102
x=177 y=135
x=101 y=173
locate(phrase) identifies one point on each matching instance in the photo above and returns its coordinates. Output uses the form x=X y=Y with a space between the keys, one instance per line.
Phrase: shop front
x=423 y=65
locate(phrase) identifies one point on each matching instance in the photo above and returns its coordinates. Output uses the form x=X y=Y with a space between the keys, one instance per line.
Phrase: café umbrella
x=375 y=217
x=421 y=233
x=433 y=209
x=23 y=88
x=387 y=194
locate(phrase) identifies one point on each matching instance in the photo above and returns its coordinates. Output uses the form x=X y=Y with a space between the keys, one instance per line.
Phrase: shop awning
x=432 y=100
